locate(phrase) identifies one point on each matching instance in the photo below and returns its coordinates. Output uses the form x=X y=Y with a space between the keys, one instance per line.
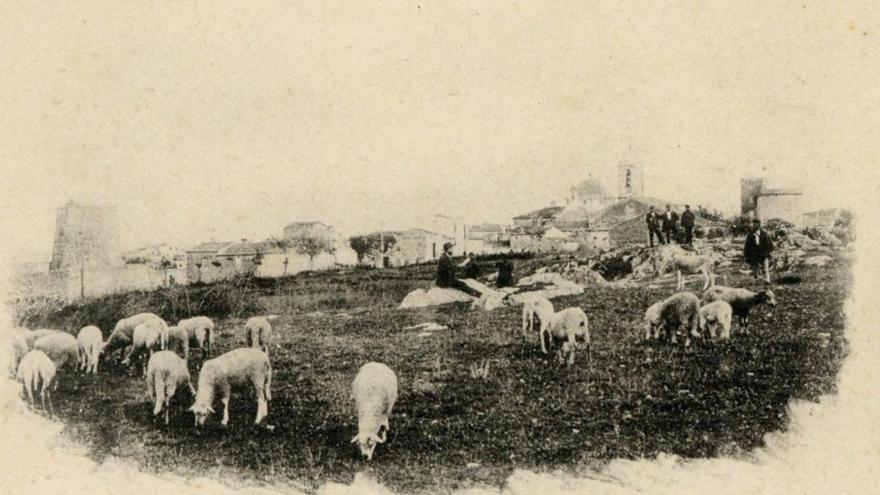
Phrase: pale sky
x=202 y=121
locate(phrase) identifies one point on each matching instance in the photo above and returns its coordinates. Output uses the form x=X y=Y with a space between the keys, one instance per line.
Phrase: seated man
x=446 y=272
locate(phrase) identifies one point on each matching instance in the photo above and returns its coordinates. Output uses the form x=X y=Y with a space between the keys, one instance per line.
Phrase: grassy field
x=451 y=429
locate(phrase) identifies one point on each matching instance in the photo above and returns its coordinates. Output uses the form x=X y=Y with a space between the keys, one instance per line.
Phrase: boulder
x=435 y=296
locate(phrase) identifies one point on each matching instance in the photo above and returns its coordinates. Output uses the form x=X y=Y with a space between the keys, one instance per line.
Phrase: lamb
x=653 y=324
x=681 y=311
x=236 y=367
x=147 y=337
x=37 y=372
x=178 y=341
x=716 y=314
x=165 y=372
x=374 y=391
x=61 y=347
x=258 y=331
x=121 y=336
x=570 y=325
x=694 y=263
x=741 y=301
x=536 y=307
x=89 y=343
x=201 y=333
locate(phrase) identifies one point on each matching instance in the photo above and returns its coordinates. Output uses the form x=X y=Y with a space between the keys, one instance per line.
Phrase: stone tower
x=85 y=233
x=630 y=180
x=750 y=188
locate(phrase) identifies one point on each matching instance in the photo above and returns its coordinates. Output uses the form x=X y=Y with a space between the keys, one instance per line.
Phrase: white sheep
x=36 y=371
x=121 y=336
x=569 y=325
x=15 y=346
x=178 y=341
x=694 y=263
x=201 y=333
x=374 y=391
x=258 y=332
x=741 y=301
x=536 y=307
x=237 y=367
x=714 y=315
x=653 y=324
x=37 y=334
x=681 y=312
x=89 y=344
x=147 y=338
x=61 y=347
x=165 y=372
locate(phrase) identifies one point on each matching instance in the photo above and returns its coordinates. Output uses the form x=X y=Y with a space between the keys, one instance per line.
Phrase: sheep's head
x=768 y=297
x=367 y=443
x=201 y=413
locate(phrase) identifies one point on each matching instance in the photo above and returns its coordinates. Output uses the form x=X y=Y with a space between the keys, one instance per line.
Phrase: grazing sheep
x=694 y=263
x=37 y=372
x=121 y=336
x=12 y=348
x=374 y=391
x=89 y=343
x=35 y=335
x=536 y=307
x=716 y=314
x=653 y=324
x=237 y=367
x=61 y=347
x=569 y=325
x=741 y=301
x=201 y=333
x=147 y=337
x=178 y=341
x=165 y=372
x=258 y=331
x=681 y=312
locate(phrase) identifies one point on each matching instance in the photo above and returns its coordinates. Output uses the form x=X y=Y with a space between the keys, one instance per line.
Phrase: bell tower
x=630 y=180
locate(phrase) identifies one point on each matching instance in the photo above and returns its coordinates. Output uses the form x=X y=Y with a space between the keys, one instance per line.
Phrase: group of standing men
x=665 y=225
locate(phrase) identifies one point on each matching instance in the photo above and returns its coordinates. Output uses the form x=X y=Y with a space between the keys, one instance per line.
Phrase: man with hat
x=653 y=222
x=446 y=272
x=688 y=219
x=757 y=250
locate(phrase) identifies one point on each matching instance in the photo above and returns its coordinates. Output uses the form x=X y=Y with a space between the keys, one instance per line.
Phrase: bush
x=741 y=225
x=715 y=233
x=778 y=227
x=699 y=231
x=614 y=267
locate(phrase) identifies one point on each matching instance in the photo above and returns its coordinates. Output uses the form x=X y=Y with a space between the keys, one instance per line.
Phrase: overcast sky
x=198 y=121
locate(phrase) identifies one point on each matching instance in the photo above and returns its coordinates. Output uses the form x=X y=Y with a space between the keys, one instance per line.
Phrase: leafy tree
x=311 y=246
x=364 y=245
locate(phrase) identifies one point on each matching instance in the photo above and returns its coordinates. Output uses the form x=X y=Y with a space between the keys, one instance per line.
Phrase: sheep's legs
x=225 y=399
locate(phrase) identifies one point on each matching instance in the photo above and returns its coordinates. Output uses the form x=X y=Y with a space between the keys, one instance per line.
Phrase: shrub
x=740 y=225
x=778 y=227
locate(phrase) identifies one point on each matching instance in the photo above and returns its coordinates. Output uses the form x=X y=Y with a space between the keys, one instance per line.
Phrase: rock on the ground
x=420 y=298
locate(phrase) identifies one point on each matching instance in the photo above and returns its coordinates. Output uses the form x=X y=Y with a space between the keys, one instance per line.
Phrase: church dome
x=589 y=187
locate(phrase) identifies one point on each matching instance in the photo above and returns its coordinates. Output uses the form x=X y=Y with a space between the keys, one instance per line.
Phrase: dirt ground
x=453 y=429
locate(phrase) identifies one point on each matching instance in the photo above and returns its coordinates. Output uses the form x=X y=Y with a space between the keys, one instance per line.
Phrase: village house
x=487 y=238
x=201 y=265
x=412 y=246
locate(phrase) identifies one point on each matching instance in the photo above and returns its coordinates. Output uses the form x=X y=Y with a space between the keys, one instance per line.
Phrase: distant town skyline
x=202 y=133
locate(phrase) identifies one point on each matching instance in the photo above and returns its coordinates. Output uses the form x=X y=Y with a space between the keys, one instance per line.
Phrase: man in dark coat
x=446 y=272
x=505 y=274
x=688 y=219
x=653 y=222
x=670 y=224
x=757 y=250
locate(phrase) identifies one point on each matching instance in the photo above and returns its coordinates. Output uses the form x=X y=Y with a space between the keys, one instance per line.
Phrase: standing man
x=757 y=250
x=446 y=272
x=688 y=219
x=653 y=222
x=670 y=224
